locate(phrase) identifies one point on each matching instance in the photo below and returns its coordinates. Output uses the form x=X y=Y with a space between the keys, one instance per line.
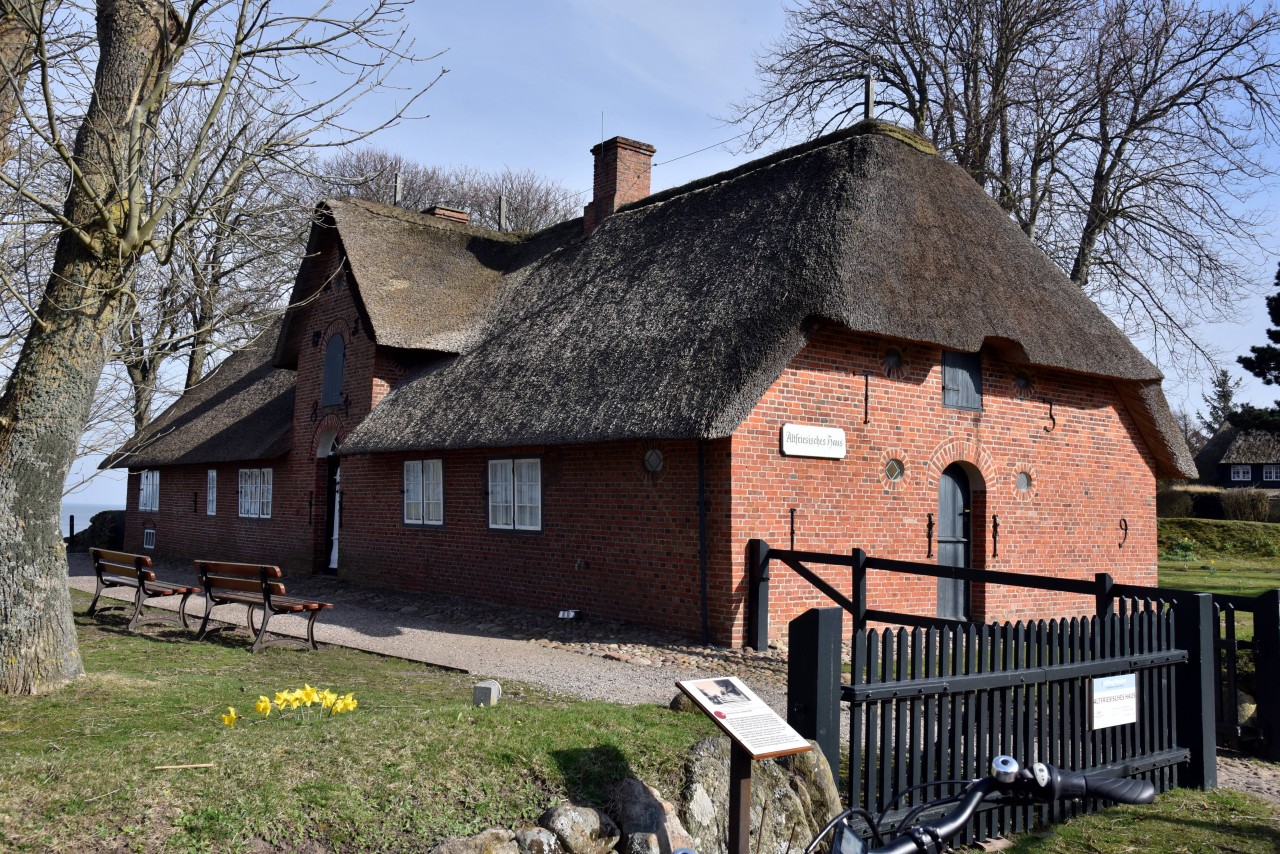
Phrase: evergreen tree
x=1265 y=361
x=1220 y=401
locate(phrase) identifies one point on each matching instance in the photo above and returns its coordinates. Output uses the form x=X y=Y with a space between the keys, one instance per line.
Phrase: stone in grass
x=792 y=798
x=649 y=824
x=495 y=840
x=537 y=840
x=486 y=693
x=581 y=830
x=681 y=703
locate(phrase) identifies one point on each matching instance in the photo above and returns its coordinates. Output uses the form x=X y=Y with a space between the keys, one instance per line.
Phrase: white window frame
x=211 y=492
x=148 y=538
x=149 y=490
x=515 y=494
x=424 y=492
x=255 y=493
x=1271 y=473
x=1241 y=473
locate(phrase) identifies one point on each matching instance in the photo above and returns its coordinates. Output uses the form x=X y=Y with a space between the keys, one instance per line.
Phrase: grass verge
x=413 y=764
x=1180 y=822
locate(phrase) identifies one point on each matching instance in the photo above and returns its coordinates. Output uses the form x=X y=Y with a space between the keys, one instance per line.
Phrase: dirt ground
x=1246 y=774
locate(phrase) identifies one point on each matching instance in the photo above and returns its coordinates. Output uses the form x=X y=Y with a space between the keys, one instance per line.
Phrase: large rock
x=537 y=840
x=495 y=840
x=648 y=823
x=792 y=798
x=581 y=830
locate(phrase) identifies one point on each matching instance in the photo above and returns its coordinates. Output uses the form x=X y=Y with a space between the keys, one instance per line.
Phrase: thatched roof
x=677 y=313
x=422 y=282
x=243 y=410
x=1231 y=445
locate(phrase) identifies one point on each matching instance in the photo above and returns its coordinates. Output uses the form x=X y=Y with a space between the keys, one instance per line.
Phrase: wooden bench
x=254 y=586
x=121 y=569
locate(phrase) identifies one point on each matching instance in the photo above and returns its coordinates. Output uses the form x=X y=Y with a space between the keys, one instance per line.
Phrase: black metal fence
x=939 y=698
x=930 y=704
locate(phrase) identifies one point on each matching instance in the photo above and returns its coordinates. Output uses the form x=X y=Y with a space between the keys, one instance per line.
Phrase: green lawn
x=1180 y=822
x=414 y=763
x=1241 y=558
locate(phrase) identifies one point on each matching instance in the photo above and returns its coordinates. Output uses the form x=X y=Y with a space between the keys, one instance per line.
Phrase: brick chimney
x=622 y=169
x=451 y=214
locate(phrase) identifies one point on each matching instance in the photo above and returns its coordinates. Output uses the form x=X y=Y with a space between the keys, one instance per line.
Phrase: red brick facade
x=620 y=541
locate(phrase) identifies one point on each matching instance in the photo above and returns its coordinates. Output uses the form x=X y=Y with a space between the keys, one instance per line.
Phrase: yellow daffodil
x=263 y=706
x=230 y=717
x=327 y=698
x=310 y=695
x=282 y=699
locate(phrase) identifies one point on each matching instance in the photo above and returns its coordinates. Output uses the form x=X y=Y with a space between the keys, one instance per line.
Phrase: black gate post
x=1266 y=659
x=1193 y=627
x=758 y=595
x=813 y=680
x=1103 y=604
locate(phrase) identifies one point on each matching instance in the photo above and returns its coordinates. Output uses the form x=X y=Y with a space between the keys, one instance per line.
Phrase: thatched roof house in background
x=601 y=415
x=1240 y=458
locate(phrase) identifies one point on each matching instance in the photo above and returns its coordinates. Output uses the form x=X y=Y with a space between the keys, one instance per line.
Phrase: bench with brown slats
x=255 y=586
x=122 y=569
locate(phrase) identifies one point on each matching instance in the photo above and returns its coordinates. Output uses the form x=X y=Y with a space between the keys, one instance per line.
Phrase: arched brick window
x=335 y=357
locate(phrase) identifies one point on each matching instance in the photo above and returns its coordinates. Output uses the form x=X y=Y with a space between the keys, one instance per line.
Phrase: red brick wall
x=616 y=542
x=185 y=531
x=296 y=537
x=1087 y=473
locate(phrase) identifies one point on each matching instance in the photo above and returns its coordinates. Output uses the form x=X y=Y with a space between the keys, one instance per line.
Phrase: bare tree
x=533 y=201
x=149 y=56
x=1125 y=136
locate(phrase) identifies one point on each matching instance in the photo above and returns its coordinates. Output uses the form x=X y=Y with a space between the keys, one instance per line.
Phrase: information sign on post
x=744 y=717
x=755 y=732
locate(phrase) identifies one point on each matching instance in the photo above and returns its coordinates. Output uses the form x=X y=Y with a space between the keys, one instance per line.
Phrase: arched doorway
x=955 y=539
x=327 y=449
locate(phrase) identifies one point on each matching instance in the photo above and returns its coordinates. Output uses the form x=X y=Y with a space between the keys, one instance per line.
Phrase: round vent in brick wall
x=1024 y=481
x=893 y=364
x=894 y=469
x=653 y=460
x=1024 y=385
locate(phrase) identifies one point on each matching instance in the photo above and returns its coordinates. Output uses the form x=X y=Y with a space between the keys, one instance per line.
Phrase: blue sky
x=533 y=85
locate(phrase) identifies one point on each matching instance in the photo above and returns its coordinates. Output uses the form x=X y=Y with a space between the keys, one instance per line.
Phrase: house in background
x=1240 y=458
x=848 y=335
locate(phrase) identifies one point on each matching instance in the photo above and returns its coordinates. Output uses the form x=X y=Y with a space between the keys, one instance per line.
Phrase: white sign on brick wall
x=804 y=440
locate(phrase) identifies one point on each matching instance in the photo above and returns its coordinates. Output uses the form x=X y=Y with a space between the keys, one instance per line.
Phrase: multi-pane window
x=961 y=380
x=423 y=492
x=255 y=493
x=1271 y=472
x=515 y=494
x=211 y=492
x=148 y=538
x=1242 y=473
x=149 y=491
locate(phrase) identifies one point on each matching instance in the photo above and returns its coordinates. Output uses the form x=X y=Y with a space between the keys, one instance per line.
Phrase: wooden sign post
x=755 y=732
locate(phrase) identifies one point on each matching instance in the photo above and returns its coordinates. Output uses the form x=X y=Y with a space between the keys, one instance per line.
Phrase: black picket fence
x=930 y=704
x=938 y=699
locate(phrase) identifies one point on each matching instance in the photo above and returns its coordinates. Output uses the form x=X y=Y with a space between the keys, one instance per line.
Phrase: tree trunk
x=17 y=44
x=46 y=401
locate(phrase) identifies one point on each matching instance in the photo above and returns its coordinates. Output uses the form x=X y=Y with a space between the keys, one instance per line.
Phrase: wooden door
x=955 y=513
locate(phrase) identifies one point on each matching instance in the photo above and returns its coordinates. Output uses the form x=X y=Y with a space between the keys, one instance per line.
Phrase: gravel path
x=590 y=658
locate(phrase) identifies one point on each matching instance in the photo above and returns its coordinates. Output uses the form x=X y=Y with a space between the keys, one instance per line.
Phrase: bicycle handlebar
x=1041 y=782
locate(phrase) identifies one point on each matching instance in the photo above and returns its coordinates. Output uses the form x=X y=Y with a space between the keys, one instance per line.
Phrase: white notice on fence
x=744 y=717
x=1114 y=700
